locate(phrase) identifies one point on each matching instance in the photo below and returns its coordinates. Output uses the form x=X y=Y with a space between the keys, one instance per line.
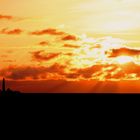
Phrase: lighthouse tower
x=3 y=85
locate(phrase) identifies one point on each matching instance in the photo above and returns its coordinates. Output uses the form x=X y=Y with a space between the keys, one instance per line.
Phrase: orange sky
x=70 y=40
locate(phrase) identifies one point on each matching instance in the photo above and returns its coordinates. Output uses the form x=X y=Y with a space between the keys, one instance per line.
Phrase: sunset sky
x=70 y=40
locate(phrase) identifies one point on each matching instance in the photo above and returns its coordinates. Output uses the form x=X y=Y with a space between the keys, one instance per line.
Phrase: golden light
x=124 y=59
x=121 y=25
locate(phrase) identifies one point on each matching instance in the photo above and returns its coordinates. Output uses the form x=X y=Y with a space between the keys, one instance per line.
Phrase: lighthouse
x=3 y=85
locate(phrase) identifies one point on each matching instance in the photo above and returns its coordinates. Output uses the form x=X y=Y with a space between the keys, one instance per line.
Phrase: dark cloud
x=69 y=37
x=86 y=72
x=43 y=56
x=124 y=51
x=21 y=73
x=125 y=71
x=49 y=31
x=11 y=32
x=107 y=72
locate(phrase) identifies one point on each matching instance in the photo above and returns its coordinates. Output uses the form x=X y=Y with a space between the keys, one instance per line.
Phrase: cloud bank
x=73 y=58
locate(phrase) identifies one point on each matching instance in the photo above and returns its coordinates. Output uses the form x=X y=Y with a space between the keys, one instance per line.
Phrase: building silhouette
x=3 y=86
x=7 y=91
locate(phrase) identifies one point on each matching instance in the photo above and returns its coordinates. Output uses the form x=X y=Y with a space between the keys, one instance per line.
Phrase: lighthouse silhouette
x=3 y=86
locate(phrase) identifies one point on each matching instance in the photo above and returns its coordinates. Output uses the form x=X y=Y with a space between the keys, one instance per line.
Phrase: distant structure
x=8 y=91
x=3 y=86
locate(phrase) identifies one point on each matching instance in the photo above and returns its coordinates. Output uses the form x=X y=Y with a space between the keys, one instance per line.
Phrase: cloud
x=11 y=32
x=7 y=17
x=71 y=46
x=124 y=51
x=88 y=59
x=23 y=72
x=10 y=18
x=43 y=43
x=43 y=56
x=68 y=54
x=83 y=73
x=49 y=31
x=69 y=37
x=106 y=72
x=57 y=71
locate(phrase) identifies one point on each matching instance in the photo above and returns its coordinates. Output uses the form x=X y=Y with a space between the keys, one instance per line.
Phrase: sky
x=70 y=40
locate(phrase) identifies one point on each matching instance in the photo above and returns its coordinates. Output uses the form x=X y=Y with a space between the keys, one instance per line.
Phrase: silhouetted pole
x=3 y=85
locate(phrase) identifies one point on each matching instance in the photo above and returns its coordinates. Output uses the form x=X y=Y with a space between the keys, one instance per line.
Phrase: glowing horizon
x=71 y=40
